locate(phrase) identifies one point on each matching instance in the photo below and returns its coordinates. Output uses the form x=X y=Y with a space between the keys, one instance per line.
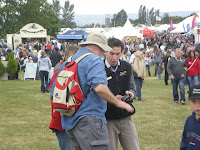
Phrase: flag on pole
x=193 y=20
x=171 y=24
x=158 y=18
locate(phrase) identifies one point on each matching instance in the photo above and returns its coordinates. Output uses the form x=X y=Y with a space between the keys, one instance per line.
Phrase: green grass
x=26 y=114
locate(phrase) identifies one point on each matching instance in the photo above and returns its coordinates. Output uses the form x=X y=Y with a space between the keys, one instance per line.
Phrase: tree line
x=14 y=14
x=145 y=16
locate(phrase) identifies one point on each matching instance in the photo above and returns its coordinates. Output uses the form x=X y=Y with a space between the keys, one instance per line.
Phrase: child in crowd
x=191 y=132
x=160 y=68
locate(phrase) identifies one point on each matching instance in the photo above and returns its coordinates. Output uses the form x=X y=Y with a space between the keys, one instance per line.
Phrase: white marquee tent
x=183 y=24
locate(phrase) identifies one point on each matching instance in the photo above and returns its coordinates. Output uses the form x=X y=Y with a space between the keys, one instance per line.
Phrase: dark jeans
x=166 y=76
x=181 y=82
x=138 y=83
x=192 y=80
x=44 y=75
x=148 y=69
x=156 y=67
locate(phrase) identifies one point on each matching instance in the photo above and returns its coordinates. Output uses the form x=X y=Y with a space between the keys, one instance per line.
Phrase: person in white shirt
x=147 y=61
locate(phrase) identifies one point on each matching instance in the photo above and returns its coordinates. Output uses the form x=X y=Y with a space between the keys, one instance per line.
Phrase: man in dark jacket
x=120 y=82
x=55 y=57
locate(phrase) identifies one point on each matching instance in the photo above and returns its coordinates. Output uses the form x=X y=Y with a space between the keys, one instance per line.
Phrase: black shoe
x=166 y=83
x=139 y=100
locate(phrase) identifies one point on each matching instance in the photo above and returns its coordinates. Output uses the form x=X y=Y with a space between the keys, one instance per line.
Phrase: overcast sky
x=130 y=6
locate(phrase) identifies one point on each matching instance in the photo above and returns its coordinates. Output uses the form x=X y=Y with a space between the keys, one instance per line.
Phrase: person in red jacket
x=55 y=124
x=193 y=69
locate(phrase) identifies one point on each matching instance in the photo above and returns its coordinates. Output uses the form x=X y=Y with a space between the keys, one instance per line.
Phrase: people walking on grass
x=44 y=65
x=140 y=73
x=160 y=70
x=158 y=58
x=193 y=69
x=191 y=133
x=165 y=61
x=147 y=60
x=176 y=68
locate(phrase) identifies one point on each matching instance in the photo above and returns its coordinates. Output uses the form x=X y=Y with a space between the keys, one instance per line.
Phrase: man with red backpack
x=87 y=127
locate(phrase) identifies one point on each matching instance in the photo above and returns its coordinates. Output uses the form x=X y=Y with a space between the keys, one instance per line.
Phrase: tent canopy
x=146 y=32
x=73 y=34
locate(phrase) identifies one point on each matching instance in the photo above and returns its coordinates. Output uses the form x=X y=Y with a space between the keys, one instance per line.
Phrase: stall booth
x=74 y=36
x=30 y=32
x=147 y=32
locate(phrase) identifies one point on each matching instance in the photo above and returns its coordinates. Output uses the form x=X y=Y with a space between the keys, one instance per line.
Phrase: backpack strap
x=81 y=57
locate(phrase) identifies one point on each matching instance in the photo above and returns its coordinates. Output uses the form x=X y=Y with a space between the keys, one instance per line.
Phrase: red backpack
x=67 y=94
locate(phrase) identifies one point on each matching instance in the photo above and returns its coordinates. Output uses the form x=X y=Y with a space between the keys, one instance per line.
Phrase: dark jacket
x=191 y=134
x=55 y=58
x=118 y=83
x=176 y=66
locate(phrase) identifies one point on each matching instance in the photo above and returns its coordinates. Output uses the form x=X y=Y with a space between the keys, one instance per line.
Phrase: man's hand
x=118 y=96
x=130 y=93
x=182 y=75
x=185 y=68
x=124 y=105
x=172 y=77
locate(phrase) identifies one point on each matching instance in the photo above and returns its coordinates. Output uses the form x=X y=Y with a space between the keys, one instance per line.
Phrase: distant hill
x=82 y=20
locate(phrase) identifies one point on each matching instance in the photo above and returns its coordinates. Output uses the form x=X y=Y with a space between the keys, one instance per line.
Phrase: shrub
x=11 y=66
x=2 y=68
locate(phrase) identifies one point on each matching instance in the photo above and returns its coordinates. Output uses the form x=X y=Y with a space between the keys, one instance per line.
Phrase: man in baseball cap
x=191 y=132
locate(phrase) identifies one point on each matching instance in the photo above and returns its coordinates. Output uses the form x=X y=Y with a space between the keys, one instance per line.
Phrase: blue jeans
x=192 y=80
x=148 y=69
x=181 y=82
x=138 y=83
x=159 y=76
x=156 y=67
x=63 y=140
x=44 y=75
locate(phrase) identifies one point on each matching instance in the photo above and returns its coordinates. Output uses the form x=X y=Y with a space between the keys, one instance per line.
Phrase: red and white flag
x=158 y=18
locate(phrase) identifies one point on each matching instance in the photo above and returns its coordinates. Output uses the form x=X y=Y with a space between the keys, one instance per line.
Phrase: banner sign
x=30 y=71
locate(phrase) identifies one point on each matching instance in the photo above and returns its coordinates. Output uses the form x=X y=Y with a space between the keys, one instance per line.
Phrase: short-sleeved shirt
x=91 y=73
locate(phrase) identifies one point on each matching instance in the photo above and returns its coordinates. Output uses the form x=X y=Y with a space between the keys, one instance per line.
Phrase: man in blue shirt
x=87 y=128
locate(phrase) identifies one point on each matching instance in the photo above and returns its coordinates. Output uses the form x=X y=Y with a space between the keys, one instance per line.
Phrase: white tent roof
x=183 y=24
x=128 y=29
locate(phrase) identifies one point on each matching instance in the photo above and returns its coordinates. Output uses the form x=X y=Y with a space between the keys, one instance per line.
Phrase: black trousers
x=166 y=76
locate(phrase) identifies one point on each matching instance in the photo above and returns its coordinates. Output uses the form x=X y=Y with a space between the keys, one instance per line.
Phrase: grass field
x=26 y=114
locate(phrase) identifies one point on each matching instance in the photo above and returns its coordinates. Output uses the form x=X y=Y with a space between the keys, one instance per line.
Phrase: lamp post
x=13 y=42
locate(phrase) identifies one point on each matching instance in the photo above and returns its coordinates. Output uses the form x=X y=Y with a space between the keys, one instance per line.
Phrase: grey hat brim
x=104 y=47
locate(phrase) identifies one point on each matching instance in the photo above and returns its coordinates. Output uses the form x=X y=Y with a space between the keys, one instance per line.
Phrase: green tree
x=8 y=16
x=68 y=15
x=166 y=18
x=41 y=12
x=144 y=15
x=56 y=7
x=120 y=18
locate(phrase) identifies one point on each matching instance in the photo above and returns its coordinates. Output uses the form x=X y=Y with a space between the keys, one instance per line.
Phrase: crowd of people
x=100 y=124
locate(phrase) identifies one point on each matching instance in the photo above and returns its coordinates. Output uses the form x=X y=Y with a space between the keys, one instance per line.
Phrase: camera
x=126 y=97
